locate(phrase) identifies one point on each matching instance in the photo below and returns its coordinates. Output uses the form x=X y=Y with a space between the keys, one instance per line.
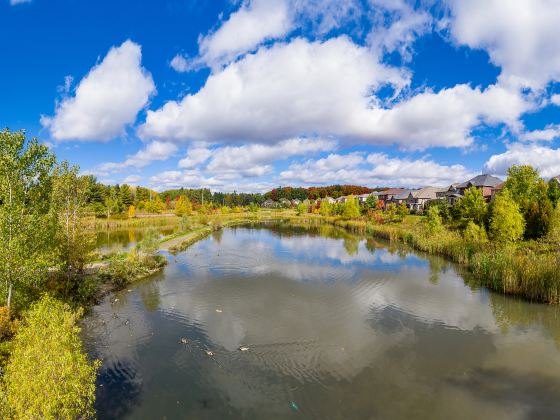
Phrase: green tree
x=301 y=208
x=26 y=223
x=351 y=208
x=402 y=210
x=68 y=201
x=475 y=234
x=473 y=206
x=539 y=212
x=326 y=208
x=554 y=191
x=371 y=202
x=554 y=226
x=506 y=222
x=435 y=223
x=522 y=183
x=183 y=206
x=126 y=198
x=48 y=375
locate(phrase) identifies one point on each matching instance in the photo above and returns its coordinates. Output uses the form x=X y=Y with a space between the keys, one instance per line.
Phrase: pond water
x=338 y=327
x=118 y=239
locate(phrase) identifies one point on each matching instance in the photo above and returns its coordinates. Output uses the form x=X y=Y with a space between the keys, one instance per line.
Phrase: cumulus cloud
x=327 y=89
x=255 y=22
x=255 y=159
x=15 y=2
x=520 y=36
x=155 y=150
x=555 y=99
x=195 y=179
x=545 y=159
x=132 y=179
x=195 y=156
x=107 y=100
x=396 y=26
x=180 y=64
x=374 y=169
x=550 y=133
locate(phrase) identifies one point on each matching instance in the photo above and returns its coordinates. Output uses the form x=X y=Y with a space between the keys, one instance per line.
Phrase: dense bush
x=48 y=374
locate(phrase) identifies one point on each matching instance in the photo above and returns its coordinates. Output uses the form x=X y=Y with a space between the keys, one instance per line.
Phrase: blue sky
x=248 y=95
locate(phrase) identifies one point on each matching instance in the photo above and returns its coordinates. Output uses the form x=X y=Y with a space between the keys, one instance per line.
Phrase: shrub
x=183 y=207
x=48 y=374
x=301 y=208
x=475 y=234
x=506 y=223
x=434 y=219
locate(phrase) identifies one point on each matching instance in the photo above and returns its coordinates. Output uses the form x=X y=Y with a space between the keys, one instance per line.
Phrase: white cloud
x=550 y=133
x=375 y=169
x=555 y=99
x=132 y=179
x=195 y=156
x=545 y=159
x=307 y=88
x=396 y=26
x=107 y=100
x=15 y=2
x=255 y=22
x=194 y=179
x=155 y=150
x=180 y=64
x=255 y=159
x=521 y=36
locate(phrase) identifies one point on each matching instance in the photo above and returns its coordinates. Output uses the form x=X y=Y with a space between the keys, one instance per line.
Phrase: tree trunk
x=9 y=297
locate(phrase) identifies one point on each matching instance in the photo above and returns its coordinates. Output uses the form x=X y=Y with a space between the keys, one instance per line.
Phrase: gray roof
x=481 y=181
x=428 y=192
x=402 y=196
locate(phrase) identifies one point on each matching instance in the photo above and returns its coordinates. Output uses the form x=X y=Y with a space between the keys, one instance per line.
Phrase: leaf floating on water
x=294 y=406
x=209 y=353
x=184 y=341
x=243 y=348
x=219 y=311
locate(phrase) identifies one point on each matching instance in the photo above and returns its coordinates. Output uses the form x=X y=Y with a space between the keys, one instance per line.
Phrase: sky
x=248 y=95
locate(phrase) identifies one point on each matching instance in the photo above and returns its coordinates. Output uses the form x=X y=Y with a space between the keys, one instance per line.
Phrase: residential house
x=329 y=200
x=451 y=194
x=270 y=203
x=496 y=190
x=485 y=183
x=557 y=178
x=418 y=199
x=386 y=196
x=362 y=198
x=341 y=200
x=402 y=197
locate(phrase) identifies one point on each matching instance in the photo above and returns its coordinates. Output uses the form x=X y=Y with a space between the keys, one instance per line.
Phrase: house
x=557 y=178
x=362 y=198
x=341 y=200
x=401 y=198
x=330 y=200
x=496 y=190
x=418 y=199
x=386 y=196
x=295 y=202
x=451 y=194
x=270 y=203
x=485 y=183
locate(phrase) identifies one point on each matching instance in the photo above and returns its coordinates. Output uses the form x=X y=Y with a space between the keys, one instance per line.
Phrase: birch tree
x=26 y=224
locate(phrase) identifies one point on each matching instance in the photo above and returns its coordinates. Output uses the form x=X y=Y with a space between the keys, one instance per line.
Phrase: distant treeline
x=313 y=193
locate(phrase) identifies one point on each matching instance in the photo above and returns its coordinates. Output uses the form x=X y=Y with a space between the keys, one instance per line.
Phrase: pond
x=337 y=327
x=109 y=240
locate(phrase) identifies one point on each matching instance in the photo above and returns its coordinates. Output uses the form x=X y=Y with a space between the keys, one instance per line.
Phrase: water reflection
x=340 y=326
x=117 y=239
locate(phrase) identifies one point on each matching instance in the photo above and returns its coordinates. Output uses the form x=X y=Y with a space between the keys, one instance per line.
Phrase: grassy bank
x=137 y=222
